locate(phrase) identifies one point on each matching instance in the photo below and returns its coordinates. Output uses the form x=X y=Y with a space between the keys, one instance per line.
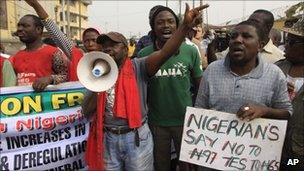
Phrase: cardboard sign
x=221 y=141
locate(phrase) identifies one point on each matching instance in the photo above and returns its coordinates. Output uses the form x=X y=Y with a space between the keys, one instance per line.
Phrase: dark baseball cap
x=114 y=36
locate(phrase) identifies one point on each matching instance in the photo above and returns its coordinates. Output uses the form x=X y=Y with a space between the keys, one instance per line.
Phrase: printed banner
x=221 y=141
x=43 y=131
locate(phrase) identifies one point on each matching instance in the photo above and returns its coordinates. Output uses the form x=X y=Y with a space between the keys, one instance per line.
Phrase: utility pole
x=117 y=16
x=193 y=3
x=63 y=15
x=244 y=10
x=80 y=16
x=201 y=3
x=180 y=9
x=106 y=26
x=68 y=19
x=166 y=3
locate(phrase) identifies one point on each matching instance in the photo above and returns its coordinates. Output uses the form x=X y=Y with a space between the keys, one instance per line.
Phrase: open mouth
x=19 y=34
x=237 y=50
x=167 y=34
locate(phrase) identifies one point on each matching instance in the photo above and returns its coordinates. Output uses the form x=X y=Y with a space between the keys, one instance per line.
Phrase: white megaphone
x=97 y=71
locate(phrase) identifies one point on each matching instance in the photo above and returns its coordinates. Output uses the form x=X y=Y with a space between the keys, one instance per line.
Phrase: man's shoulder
x=188 y=50
x=145 y=51
x=49 y=47
x=273 y=70
x=144 y=38
x=215 y=66
x=185 y=46
x=278 y=51
x=273 y=51
x=138 y=61
x=270 y=66
x=282 y=62
x=217 y=63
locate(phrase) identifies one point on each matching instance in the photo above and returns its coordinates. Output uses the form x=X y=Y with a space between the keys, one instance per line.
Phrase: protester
x=169 y=89
x=190 y=40
x=293 y=67
x=128 y=141
x=198 y=40
x=131 y=47
x=66 y=45
x=196 y=43
x=8 y=76
x=145 y=40
x=218 y=47
x=38 y=64
x=270 y=53
x=207 y=38
x=275 y=36
x=89 y=37
x=242 y=83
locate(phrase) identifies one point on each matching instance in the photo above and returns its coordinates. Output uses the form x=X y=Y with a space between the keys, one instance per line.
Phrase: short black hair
x=37 y=20
x=269 y=18
x=152 y=10
x=259 y=29
x=152 y=21
x=160 y=9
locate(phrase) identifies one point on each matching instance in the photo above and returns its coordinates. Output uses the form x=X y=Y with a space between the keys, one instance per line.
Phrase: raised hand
x=38 y=8
x=31 y=2
x=193 y=17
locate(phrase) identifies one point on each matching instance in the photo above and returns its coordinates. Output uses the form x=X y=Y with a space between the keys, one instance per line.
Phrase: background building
x=70 y=15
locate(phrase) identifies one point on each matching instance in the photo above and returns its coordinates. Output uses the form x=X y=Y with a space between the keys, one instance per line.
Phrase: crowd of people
x=246 y=71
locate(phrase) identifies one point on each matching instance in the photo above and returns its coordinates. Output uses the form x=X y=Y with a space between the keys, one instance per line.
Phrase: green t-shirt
x=169 y=89
x=8 y=74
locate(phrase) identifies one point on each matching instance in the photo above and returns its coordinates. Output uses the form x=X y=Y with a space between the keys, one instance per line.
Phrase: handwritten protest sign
x=221 y=141
x=43 y=131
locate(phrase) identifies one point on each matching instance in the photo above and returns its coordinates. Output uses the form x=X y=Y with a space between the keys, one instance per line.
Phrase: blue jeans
x=121 y=152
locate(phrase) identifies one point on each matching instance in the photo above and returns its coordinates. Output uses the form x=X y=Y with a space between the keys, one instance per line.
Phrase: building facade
x=70 y=15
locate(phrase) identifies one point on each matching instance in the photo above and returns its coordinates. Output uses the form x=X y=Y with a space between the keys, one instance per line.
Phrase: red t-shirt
x=34 y=64
x=76 y=56
x=1 y=67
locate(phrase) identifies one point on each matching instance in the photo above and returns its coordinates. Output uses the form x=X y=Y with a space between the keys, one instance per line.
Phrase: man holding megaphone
x=119 y=135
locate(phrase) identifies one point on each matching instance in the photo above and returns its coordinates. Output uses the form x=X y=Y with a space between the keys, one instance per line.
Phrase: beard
x=120 y=58
x=27 y=40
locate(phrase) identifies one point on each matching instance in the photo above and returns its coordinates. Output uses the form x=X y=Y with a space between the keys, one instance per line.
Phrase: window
x=73 y=18
x=3 y=15
x=61 y=16
x=74 y=32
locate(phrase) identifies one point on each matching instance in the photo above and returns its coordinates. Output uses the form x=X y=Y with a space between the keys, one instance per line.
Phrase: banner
x=221 y=141
x=43 y=131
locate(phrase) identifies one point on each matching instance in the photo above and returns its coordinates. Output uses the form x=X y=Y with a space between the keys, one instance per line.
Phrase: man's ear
x=261 y=45
x=39 y=29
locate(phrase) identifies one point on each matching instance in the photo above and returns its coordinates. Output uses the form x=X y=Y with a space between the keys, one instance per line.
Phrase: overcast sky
x=131 y=17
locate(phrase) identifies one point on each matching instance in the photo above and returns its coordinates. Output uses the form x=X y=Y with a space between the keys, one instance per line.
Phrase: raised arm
x=59 y=75
x=158 y=58
x=58 y=36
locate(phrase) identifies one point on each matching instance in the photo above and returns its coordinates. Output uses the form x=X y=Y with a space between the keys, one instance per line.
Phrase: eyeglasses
x=293 y=42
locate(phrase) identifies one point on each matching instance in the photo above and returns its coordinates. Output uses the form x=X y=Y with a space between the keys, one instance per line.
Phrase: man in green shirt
x=169 y=89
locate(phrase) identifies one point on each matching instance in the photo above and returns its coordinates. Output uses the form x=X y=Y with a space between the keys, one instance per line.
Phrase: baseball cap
x=114 y=36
